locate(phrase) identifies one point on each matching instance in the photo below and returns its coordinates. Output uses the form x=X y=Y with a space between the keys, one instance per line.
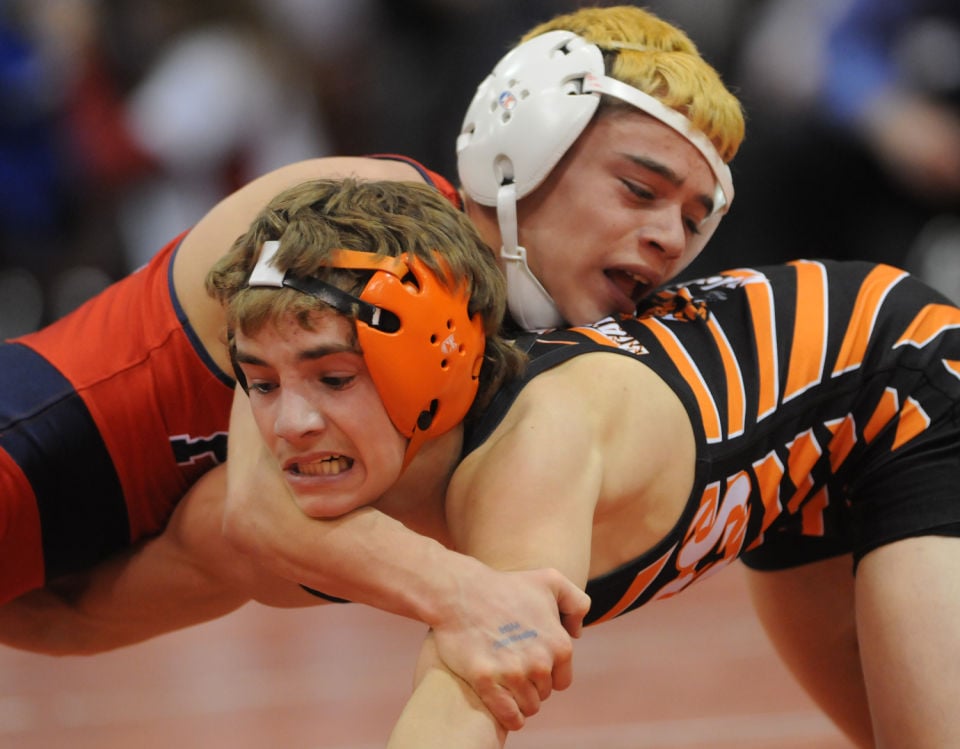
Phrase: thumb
x=573 y=605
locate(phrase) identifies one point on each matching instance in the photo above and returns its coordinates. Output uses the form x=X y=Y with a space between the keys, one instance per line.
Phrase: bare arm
x=542 y=475
x=443 y=711
x=370 y=558
x=216 y=232
x=186 y=575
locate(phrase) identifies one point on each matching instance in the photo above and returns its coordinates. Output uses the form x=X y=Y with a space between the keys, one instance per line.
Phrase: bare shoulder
x=596 y=403
x=219 y=228
x=610 y=392
x=614 y=420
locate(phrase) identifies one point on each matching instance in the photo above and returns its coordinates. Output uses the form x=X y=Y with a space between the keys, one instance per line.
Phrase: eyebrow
x=668 y=174
x=310 y=354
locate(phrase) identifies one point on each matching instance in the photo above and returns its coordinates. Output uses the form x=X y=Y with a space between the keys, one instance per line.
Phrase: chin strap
x=530 y=305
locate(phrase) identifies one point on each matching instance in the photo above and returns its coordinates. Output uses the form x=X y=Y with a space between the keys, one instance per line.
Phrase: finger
x=573 y=605
x=540 y=676
x=502 y=705
x=533 y=683
x=563 y=673
x=573 y=624
x=527 y=696
x=543 y=685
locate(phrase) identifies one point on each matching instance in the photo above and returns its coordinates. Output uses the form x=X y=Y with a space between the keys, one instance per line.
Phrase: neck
x=417 y=499
x=484 y=218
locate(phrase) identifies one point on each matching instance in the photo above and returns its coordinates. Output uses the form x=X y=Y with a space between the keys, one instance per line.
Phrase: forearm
x=186 y=575
x=369 y=557
x=111 y=606
x=365 y=557
x=444 y=712
x=43 y=622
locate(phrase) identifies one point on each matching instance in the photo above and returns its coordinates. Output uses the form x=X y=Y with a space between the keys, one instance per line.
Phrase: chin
x=585 y=318
x=323 y=508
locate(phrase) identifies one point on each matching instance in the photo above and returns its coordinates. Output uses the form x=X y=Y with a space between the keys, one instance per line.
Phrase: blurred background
x=123 y=121
x=690 y=672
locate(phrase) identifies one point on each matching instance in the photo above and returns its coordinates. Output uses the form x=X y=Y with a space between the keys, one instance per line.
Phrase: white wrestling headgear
x=524 y=117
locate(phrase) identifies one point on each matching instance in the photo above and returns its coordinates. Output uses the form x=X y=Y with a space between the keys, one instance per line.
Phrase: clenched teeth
x=331 y=466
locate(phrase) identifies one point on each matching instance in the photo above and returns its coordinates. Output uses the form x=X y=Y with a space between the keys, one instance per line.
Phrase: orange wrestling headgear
x=421 y=346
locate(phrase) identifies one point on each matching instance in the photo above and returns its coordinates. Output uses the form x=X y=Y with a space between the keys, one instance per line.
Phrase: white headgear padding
x=524 y=117
x=526 y=114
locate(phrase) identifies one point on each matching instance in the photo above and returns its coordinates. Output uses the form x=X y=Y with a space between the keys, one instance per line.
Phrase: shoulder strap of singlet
x=432 y=178
x=545 y=351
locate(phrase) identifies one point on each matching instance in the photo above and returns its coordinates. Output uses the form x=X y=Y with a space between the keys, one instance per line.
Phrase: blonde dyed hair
x=658 y=58
x=388 y=218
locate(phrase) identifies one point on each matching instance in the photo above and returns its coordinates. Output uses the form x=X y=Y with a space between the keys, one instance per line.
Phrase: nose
x=663 y=229
x=297 y=416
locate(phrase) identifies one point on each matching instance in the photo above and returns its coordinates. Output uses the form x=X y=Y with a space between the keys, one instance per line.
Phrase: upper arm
x=527 y=497
x=589 y=451
x=216 y=232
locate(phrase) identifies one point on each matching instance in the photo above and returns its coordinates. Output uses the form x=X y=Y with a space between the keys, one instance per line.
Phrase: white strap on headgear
x=531 y=306
x=602 y=84
x=265 y=273
x=529 y=302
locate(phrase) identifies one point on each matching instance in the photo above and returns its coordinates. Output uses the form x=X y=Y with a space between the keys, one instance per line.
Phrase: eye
x=337 y=382
x=693 y=226
x=260 y=387
x=638 y=190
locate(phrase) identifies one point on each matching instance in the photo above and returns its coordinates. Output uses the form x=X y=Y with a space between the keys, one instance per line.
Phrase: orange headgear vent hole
x=427 y=371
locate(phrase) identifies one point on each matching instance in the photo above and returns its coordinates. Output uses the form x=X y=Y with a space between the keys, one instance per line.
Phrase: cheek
x=383 y=459
x=383 y=444
x=265 y=421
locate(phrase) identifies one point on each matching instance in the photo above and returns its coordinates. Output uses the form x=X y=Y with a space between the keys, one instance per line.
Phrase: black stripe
x=46 y=427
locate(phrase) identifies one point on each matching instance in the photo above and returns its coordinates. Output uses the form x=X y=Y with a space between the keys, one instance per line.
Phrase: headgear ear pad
x=526 y=114
x=421 y=347
x=427 y=371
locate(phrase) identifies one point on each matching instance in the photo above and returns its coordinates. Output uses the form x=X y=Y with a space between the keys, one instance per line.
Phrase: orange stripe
x=873 y=291
x=931 y=321
x=811 y=515
x=844 y=438
x=736 y=398
x=760 y=299
x=805 y=451
x=639 y=584
x=688 y=370
x=808 y=350
x=769 y=473
x=913 y=420
x=886 y=409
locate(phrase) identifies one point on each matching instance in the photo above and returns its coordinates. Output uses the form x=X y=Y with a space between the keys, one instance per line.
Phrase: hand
x=509 y=637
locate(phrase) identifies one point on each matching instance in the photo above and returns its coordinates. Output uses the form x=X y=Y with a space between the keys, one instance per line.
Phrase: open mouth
x=329 y=466
x=634 y=286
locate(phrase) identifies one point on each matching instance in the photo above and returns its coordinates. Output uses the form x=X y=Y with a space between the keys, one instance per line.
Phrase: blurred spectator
x=816 y=176
x=421 y=66
x=894 y=83
x=127 y=119
x=31 y=180
x=183 y=101
x=122 y=122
